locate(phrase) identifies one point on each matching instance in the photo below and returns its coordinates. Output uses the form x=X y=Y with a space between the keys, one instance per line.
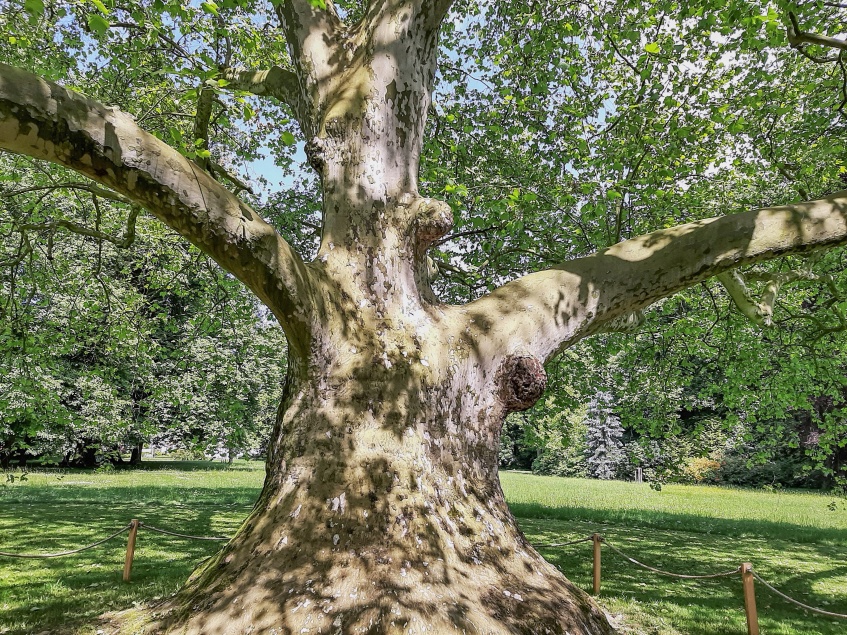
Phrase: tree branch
x=205 y=101
x=87 y=187
x=547 y=311
x=45 y=121
x=122 y=242
x=277 y=82
x=797 y=37
x=758 y=313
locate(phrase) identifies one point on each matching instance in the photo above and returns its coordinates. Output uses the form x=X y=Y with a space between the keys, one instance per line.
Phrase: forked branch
x=798 y=38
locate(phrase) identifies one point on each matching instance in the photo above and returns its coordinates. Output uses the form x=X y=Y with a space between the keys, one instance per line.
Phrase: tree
x=164 y=344
x=381 y=510
x=603 y=445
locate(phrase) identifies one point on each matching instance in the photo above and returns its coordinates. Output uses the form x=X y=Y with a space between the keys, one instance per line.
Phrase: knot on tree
x=522 y=380
x=433 y=219
x=315 y=150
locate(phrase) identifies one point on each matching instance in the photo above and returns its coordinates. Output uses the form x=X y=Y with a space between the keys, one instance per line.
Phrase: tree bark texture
x=381 y=510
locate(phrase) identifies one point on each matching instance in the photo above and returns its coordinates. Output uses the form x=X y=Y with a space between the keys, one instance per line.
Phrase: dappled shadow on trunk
x=382 y=513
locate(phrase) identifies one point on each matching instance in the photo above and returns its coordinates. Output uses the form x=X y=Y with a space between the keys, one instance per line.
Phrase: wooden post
x=597 y=540
x=130 y=548
x=749 y=599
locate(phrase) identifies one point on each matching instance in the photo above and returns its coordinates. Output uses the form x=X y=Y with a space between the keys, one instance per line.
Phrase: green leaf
x=653 y=47
x=100 y=6
x=34 y=7
x=98 y=24
x=288 y=138
x=318 y=4
x=210 y=7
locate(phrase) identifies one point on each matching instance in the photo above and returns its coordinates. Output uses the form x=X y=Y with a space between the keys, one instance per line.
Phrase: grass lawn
x=793 y=539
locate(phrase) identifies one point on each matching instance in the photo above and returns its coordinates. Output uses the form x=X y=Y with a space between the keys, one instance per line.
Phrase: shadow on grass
x=194 y=466
x=688 y=522
x=702 y=607
x=58 y=595
x=129 y=496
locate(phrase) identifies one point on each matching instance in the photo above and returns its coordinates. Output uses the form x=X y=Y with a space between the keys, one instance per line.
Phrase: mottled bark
x=578 y=298
x=382 y=511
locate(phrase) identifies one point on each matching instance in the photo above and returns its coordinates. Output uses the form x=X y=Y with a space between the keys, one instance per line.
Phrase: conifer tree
x=604 y=446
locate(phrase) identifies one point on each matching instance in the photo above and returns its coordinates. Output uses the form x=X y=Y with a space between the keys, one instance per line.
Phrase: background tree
x=108 y=346
x=604 y=448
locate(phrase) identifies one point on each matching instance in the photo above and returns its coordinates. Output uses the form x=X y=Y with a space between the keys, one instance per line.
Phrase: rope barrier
x=564 y=544
x=722 y=574
x=797 y=602
x=173 y=533
x=64 y=553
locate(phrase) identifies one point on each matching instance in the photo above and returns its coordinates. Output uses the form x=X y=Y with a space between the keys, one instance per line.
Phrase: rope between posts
x=65 y=553
x=173 y=533
x=722 y=574
x=797 y=602
x=565 y=544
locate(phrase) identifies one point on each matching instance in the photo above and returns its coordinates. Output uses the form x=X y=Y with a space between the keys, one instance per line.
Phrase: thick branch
x=276 y=82
x=546 y=311
x=798 y=37
x=45 y=121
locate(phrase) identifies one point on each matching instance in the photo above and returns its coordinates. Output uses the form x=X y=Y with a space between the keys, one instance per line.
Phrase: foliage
x=105 y=348
x=557 y=129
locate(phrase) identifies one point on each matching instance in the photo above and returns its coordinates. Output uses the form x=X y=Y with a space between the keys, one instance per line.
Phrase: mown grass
x=793 y=539
x=57 y=511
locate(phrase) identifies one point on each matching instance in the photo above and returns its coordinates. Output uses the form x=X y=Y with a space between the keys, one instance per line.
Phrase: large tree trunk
x=382 y=512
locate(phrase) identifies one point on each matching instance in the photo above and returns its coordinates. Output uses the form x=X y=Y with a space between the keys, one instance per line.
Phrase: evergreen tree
x=604 y=446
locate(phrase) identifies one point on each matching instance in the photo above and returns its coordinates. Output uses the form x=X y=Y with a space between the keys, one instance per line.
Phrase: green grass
x=793 y=540
x=52 y=512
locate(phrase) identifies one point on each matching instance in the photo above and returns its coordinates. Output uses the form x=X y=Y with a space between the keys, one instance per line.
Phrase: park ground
x=795 y=540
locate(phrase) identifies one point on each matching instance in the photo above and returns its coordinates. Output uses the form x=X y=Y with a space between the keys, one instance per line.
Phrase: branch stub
x=433 y=219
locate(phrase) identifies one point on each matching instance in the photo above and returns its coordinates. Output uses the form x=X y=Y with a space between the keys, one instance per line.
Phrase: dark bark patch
x=522 y=381
x=316 y=154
